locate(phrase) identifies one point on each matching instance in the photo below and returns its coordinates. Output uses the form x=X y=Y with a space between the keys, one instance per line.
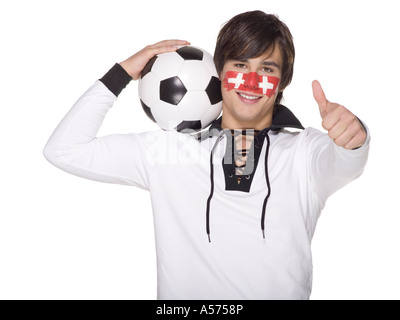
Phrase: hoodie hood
x=282 y=118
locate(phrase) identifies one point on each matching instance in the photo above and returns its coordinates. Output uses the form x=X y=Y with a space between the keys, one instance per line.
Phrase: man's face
x=249 y=90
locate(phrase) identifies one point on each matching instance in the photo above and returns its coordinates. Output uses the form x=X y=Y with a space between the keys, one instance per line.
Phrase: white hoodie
x=194 y=196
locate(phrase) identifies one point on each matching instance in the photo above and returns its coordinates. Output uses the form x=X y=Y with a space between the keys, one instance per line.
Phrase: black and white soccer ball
x=181 y=90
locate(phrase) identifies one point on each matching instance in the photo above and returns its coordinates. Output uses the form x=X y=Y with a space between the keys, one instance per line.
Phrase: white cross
x=237 y=81
x=265 y=85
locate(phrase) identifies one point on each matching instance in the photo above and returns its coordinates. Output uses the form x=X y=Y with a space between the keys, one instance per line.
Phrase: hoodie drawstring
x=268 y=185
x=220 y=136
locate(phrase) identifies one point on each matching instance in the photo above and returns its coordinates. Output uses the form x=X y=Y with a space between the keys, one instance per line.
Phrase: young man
x=234 y=212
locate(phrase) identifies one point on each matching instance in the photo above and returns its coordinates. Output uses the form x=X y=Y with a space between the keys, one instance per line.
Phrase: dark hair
x=251 y=34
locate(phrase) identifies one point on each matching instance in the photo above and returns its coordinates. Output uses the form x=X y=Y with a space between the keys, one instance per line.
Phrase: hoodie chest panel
x=228 y=164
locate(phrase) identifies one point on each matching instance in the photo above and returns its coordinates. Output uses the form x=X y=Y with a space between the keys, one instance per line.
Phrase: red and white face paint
x=251 y=82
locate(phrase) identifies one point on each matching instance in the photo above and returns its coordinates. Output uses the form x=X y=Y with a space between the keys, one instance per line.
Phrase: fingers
x=173 y=42
x=165 y=46
x=352 y=137
x=135 y=64
x=320 y=98
x=336 y=114
x=357 y=141
x=344 y=128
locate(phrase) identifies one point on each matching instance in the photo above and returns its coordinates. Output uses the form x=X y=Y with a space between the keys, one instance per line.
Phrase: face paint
x=251 y=82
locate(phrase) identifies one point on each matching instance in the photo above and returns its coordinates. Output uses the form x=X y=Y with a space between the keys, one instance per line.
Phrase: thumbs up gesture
x=343 y=126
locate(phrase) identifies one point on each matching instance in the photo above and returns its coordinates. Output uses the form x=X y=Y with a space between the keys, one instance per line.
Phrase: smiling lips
x=250 y=99
x=251 y=87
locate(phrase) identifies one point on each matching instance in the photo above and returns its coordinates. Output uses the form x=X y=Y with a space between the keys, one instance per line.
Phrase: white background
x=63 y=237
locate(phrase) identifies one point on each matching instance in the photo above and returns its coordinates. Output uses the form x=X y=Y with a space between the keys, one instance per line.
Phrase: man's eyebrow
x=270 y=63
x=264 y=63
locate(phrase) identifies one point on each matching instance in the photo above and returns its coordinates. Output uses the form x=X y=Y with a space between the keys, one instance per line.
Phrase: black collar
x=282 y=118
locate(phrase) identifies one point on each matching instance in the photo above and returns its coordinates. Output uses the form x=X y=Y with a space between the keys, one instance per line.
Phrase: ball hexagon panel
x=172 y=90
x=194 y=75
x=167 y=65
x=148 y=66
x=166 y=115
x=194 y=105
x=213 y=90
x=147 y=111
x=189 y=125
x=149 y=91
x=190 y=53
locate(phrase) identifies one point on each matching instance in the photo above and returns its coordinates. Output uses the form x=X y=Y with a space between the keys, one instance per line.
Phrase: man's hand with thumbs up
x=342 y=125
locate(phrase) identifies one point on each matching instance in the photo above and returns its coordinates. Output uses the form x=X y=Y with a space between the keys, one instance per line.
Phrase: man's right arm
x=120 y=158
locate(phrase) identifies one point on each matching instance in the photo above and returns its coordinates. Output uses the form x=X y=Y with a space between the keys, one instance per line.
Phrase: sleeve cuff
x=116 y=79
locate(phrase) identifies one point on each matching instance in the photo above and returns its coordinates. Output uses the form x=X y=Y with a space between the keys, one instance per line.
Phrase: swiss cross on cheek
x=251 y=82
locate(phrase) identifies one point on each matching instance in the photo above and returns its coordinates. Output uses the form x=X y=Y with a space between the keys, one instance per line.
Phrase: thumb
x=320 y=98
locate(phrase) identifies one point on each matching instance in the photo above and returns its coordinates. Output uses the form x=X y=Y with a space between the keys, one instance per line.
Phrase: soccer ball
x=181 y=90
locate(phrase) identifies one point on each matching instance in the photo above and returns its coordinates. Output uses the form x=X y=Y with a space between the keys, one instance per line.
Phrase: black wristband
x=116 y=79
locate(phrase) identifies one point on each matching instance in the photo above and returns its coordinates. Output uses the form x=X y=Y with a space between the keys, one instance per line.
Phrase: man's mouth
x=248 y=98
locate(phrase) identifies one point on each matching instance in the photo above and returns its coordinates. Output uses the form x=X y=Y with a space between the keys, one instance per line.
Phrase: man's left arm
x=340 y=156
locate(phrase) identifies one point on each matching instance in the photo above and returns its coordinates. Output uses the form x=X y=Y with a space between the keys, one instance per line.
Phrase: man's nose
x=251 y=80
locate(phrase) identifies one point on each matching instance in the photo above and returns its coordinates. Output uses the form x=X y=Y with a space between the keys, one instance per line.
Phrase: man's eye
x=240 y=65
x=267 y=70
